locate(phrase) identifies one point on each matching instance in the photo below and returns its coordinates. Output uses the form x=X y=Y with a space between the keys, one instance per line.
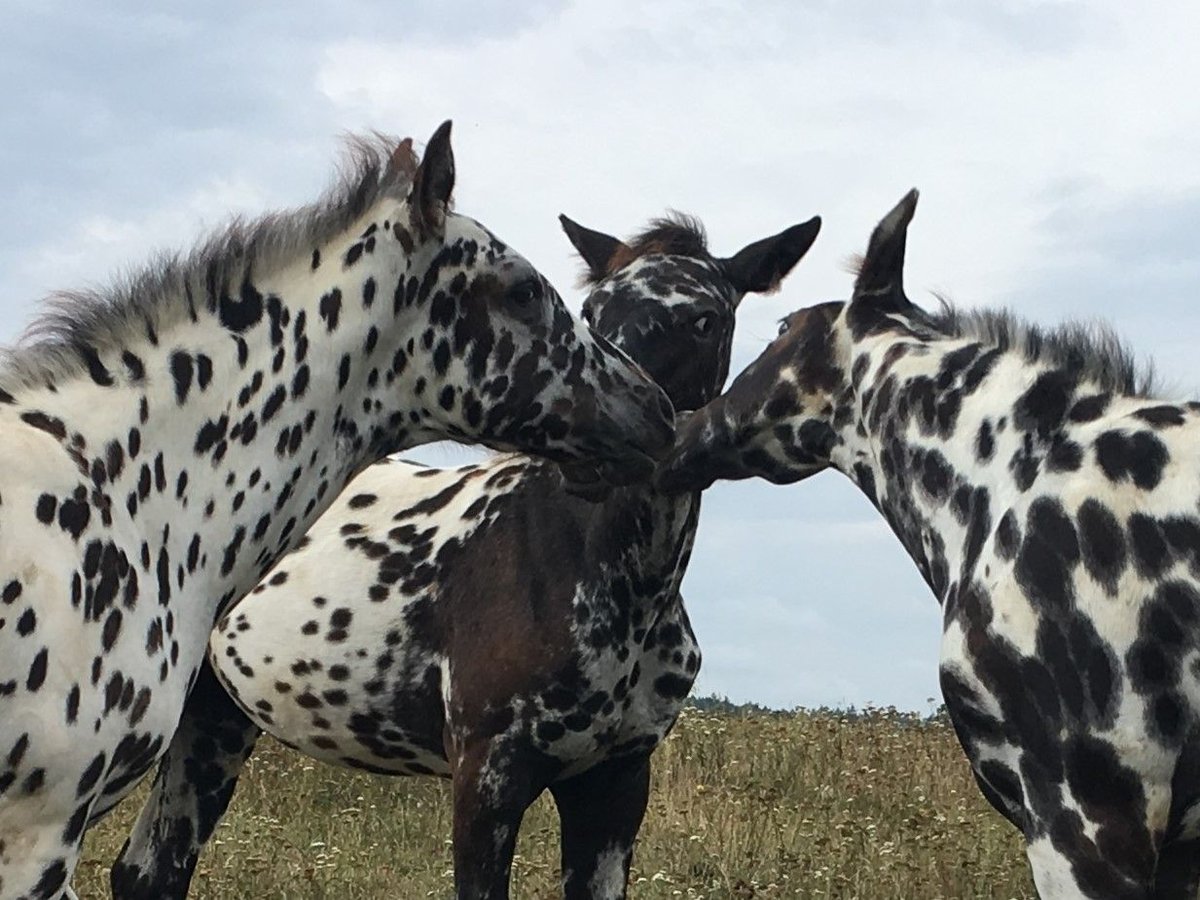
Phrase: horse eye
x=525 y=293
x=783 y=327
x=703 y=324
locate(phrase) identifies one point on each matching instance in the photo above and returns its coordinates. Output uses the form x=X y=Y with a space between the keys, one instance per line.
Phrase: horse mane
x=1090 y=348
x=675 y=234
x=72 y=324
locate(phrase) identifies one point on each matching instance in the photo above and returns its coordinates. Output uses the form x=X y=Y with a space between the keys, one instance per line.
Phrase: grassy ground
x=797 y=805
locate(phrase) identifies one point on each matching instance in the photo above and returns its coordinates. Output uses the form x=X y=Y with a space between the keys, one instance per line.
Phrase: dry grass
x=798 y=805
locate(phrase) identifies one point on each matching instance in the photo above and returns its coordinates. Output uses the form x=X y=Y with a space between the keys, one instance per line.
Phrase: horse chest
x=668 y=661
x=630 y=694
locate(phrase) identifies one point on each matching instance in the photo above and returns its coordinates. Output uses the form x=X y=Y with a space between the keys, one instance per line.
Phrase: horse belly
x=381 y=725
x=340 y=682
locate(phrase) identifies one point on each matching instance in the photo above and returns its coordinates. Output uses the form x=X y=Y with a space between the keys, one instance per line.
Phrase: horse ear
x=595 y=247
x=882 y=268
x=434 y=181
x=759 y=267
x=404 y=159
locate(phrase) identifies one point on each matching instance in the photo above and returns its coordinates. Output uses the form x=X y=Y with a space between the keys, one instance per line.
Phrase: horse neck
x=656 y=532
x=221 y=436
x=641 y=535
x=929 y=434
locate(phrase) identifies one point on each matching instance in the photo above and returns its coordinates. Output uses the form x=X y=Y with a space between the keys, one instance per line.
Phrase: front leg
x=493 y=786
x=193 y=787
x=1178 y=874
x=601 y=811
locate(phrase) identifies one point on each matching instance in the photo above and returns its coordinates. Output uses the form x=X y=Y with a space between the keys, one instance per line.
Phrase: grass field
x=755 y=806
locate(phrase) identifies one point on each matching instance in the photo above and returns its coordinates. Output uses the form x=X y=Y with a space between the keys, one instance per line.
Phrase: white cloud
x=757 y=119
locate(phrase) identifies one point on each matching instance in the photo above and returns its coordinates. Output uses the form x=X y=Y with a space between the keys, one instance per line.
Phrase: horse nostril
x=665 y=407
x=663 y=439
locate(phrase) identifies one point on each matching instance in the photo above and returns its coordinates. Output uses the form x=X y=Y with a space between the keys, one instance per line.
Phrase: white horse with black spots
x=1051 y=503
x=487 y=623
x=166 y=441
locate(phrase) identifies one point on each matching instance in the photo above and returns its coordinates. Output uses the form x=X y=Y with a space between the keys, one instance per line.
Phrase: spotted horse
x=166 y=441
x=491 y=623
x=1049 y=499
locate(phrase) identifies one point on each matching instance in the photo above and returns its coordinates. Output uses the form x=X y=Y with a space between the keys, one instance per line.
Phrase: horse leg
x=601 y=811
x=492 y=790
x=192 y=788
x=1178 y=874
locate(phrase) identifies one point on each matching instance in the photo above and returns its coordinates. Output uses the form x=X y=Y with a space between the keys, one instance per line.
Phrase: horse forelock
x=675 y=234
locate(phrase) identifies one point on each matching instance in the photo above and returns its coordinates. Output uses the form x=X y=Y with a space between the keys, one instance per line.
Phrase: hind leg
x=601 y=811
x=193 y=787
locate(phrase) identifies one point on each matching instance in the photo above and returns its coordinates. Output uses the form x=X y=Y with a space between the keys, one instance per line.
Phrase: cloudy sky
x=1056 y=145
